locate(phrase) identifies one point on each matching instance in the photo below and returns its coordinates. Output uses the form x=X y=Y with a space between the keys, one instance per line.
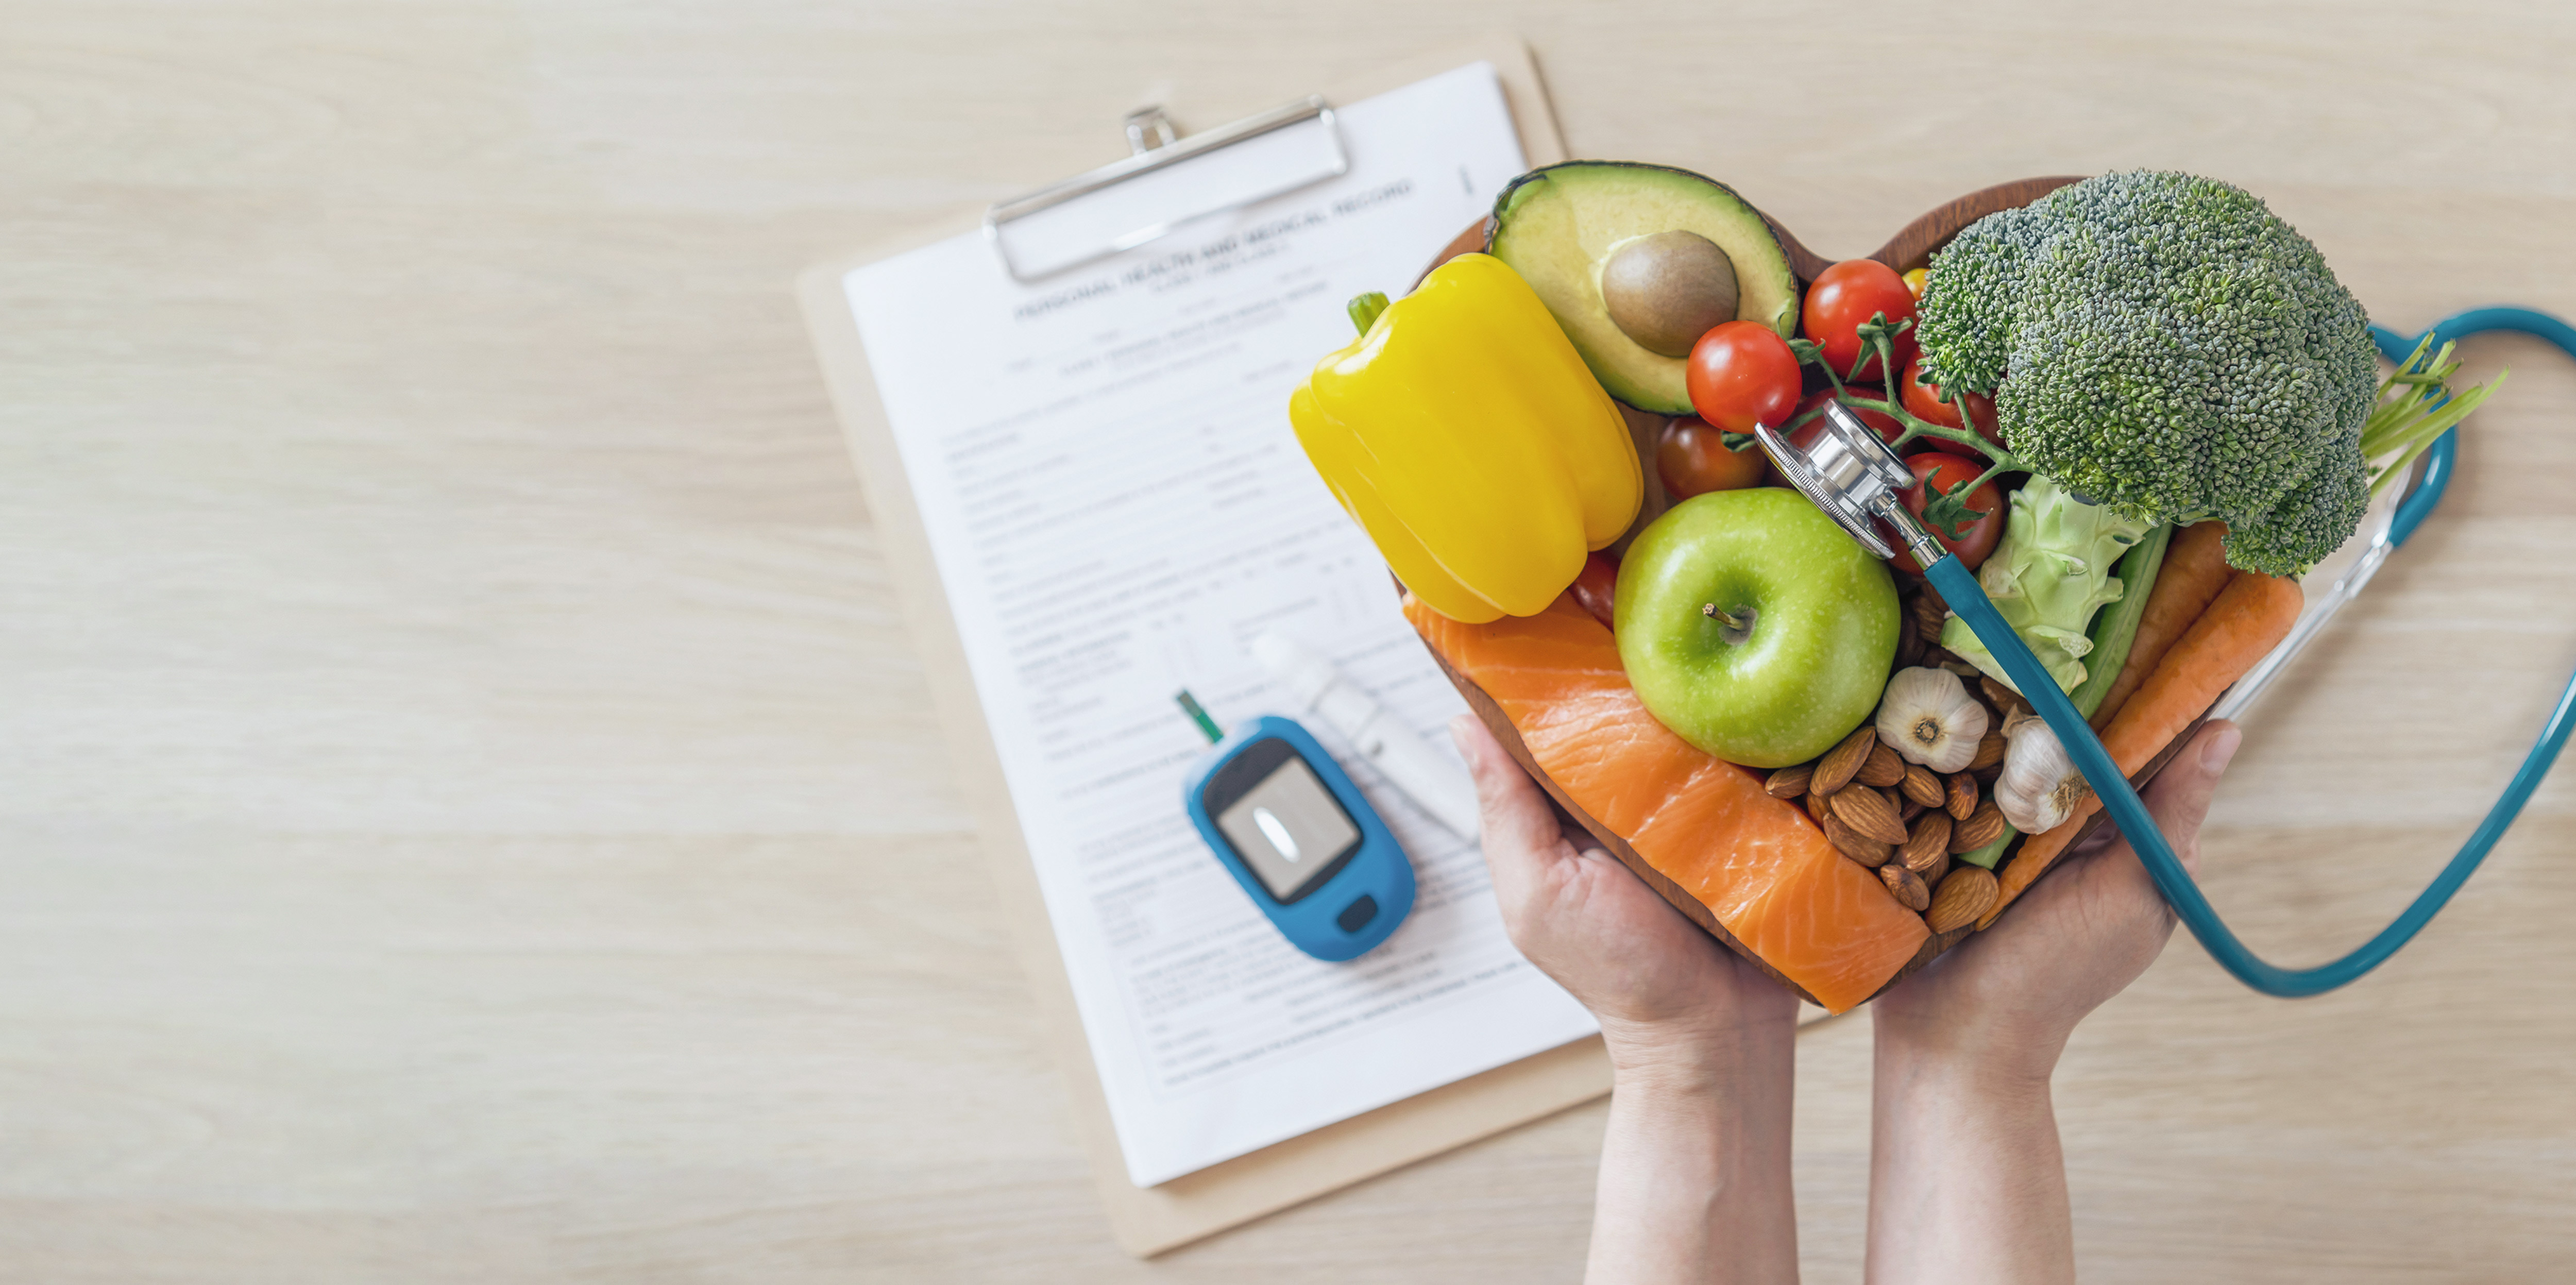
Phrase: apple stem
x=1737 y=624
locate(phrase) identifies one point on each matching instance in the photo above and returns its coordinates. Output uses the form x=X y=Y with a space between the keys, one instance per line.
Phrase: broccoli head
x=1981 y=268
x=2166 y=346
x=2314 y=519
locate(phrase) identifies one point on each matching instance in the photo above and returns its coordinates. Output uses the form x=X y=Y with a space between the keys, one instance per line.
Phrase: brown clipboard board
x=1147 y=1221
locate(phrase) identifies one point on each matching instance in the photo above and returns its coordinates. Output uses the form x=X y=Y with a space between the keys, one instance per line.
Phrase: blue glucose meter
x=1285 y=819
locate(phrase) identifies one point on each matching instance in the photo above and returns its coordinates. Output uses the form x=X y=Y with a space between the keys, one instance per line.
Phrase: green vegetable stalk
x=2415 y=406
x=2115 y=630
x=1993 y=852
x=2049 y=575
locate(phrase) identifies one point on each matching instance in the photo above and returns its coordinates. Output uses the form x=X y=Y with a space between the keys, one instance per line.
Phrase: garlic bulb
x=1928 y=717
x=2040 y=789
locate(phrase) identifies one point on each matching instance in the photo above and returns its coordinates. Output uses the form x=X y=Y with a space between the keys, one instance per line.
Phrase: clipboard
x=1148 y=1221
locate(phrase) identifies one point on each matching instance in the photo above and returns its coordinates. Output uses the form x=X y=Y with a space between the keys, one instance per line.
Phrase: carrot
x=2250 y=617
x=2194 y=570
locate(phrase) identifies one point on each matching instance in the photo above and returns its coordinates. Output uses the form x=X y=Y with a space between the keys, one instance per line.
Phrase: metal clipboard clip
x=1130 y=202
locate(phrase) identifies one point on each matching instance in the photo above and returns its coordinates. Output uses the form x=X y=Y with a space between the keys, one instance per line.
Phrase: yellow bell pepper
x=1463 y=432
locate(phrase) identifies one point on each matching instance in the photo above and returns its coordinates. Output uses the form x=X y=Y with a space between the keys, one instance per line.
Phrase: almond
x=1841 y=763
x=1789 y=782
x=1909 y=640
x=1963 y=796
x=1927 y=614
x=1983 y=826
x=1990 y=751
x=1882 y=768
x=1964 y=894
x=1871 y=813
x=1923 y=785
x=1929 y=843
x=1908 y=886
x=1907 y=813
x=1853 y=844
x=1819 y=805
x=2003 y=700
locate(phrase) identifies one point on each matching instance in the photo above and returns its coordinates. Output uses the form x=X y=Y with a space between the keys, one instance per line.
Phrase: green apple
x=1754 y=627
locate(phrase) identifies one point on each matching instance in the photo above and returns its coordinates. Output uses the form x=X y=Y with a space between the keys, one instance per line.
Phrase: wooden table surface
x=472 y=812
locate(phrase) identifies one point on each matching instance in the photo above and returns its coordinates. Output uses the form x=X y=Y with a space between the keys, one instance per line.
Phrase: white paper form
x=1116 y=504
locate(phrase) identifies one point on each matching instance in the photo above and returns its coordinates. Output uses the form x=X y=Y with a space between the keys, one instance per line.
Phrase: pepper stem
x=1365 y=308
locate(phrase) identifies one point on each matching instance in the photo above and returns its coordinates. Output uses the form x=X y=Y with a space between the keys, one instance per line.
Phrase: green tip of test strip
x=1207 y=725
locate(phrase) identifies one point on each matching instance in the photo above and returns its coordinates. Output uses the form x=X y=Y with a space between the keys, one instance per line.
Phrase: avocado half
x=1559 y=225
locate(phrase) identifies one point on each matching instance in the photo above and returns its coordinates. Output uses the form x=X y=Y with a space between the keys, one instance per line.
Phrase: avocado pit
x=1666 y=290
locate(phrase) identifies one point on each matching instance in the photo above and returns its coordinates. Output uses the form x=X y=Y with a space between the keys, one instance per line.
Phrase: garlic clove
x=1928 y=717
x=2039 y=789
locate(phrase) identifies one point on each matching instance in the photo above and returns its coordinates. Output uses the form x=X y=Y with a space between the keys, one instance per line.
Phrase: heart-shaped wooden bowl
x=1909 y=249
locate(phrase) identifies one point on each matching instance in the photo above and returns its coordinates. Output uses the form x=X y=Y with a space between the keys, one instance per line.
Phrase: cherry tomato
x=1597 y=587
x=1915 y=281
x=1925 y=401
x=1888 y=429
x=1944 y=470
x=1842 y=299
x=1742 y=374
x=1693 y=458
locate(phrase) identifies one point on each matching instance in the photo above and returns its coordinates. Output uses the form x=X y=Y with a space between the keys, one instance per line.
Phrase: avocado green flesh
x=1556 y=226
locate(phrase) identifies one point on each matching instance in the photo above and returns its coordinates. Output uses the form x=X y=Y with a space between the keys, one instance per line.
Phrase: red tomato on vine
x=1842 y=299
x=1742 y=374
x=1596 y=587
x=1943 y=470
x=1924 y=400
x=1693 y=459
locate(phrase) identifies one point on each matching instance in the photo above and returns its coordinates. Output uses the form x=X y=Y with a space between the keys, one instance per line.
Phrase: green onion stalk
x=2415 y=406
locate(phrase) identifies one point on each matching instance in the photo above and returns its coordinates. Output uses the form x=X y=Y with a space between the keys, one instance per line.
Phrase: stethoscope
x=1849 y=472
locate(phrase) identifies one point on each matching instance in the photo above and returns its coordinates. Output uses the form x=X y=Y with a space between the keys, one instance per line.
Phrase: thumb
x=2179 y=798
x=1520 y=830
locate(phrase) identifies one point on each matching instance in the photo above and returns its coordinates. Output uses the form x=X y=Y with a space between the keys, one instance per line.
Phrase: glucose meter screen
x=1289 y=829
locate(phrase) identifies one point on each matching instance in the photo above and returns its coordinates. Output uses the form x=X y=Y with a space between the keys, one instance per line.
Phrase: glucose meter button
x=1357 y=915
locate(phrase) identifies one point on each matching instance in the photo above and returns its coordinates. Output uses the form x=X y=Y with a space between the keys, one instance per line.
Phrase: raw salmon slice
x=1759 y=865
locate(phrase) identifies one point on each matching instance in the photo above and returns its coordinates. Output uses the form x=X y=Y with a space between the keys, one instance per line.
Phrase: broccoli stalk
x=2047 y=577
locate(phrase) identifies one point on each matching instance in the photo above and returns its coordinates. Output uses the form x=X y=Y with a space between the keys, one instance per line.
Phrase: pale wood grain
x=472 y=810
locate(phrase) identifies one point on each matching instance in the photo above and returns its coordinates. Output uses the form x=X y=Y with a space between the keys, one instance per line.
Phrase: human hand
x=1960 y=1087
x=2012 y=994
x=1665 y=992
x=1695 y=1161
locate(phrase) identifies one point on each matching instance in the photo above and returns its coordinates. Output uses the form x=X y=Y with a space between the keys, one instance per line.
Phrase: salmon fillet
x=1759 y=865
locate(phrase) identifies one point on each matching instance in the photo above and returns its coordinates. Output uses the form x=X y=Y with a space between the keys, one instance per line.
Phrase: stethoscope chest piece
x=1848 y=472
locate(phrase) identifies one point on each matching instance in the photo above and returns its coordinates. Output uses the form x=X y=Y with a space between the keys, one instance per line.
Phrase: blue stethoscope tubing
x=1959 y=588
